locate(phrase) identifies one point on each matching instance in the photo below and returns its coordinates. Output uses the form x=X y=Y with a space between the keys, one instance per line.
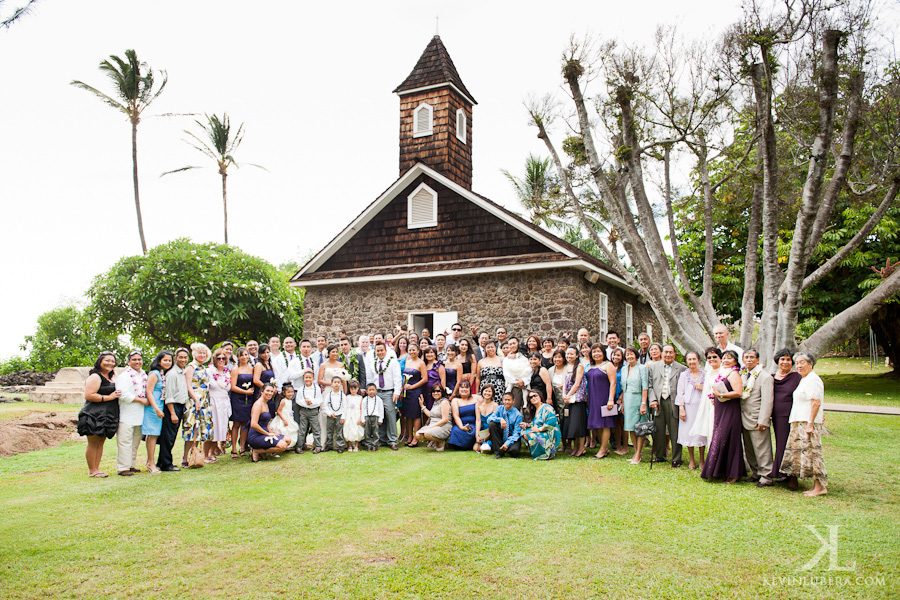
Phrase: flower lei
x=226 y=375
x=141 y=389
x=387 y=363
x=751 y=380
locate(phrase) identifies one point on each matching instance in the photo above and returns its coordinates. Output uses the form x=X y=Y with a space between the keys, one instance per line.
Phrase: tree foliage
x=67 y=337
x=182 y=292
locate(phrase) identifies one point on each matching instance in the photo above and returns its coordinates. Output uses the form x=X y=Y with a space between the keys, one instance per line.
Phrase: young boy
x=333 y=407
x=504 y=428
x=372 y=416
x=306 y=414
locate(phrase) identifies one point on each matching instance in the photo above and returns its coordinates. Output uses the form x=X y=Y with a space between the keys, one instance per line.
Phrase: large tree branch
x=843 y=324
x=857 y=239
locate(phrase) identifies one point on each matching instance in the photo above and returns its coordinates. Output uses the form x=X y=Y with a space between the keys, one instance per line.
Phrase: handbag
x=195 y=458
x=645 y=428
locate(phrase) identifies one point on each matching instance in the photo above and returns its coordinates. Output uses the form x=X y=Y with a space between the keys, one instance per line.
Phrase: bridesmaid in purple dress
x=599 y=375
x=725 y=456
x=786 y=381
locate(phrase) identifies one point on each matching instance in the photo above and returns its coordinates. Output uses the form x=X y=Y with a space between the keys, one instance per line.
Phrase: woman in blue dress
x=462 y=436
x=242 y=393
x=260 y=437
x=542 y=435
x=635 y=385
x=153 y=412
x=415 y=376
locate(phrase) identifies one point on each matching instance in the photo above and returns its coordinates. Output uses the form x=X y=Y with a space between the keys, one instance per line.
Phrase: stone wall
x=588 y=302
x=540 y=301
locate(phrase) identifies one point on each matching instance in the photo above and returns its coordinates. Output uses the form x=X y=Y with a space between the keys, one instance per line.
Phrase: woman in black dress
x=725 y=454
x=786 y=381
x=98 y=419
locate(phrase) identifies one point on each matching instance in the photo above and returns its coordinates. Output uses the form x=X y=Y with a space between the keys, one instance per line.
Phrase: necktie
x=290 y=357
x=320 y=359
x=380 y=375
x=665 y=390
x=308 y=363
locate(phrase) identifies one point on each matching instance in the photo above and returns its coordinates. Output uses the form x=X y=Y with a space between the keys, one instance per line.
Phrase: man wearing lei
x=756 y=412
x=353 y=362
x=133 y=384
x=384 y=371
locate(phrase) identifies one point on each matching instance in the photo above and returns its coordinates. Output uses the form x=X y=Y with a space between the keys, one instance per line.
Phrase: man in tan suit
x=664 y=376
x=756 y=413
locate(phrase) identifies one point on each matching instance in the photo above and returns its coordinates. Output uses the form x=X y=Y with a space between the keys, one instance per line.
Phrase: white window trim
x=409 y=199
x=430 y=130
x=461 y=133
x=629 y=325
x=650 y=330
x=603 y=315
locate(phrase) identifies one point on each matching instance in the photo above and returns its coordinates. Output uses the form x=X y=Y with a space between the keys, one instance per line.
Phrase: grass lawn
x=417 y=524
x=853 y=381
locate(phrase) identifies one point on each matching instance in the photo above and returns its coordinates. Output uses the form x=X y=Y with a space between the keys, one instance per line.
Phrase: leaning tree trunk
x=225 y=203
x=885 y=322
x=137 y=196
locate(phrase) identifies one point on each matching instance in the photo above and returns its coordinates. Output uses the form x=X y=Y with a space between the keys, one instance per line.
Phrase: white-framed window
x=461 y=125
x=650 y=330
x=423 y=120
x=421 y=207
x=629 y=325
x=604 y=316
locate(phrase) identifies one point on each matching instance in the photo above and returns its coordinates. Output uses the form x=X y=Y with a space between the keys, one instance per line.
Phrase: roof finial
x=437 y=25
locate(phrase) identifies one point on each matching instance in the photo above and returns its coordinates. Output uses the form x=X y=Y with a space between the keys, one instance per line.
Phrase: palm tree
x=133 y=83
x=537 y=190
x=7 y=20
x=219 y=145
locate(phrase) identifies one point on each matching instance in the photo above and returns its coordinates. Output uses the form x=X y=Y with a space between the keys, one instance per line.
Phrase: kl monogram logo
x=829 y=546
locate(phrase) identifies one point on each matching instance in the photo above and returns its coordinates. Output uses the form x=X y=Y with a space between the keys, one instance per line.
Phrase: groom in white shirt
x=384 y=372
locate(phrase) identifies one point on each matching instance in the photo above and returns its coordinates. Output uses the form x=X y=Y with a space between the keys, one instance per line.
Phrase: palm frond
x=17 y=14
x=180 y=170
x=111 y=101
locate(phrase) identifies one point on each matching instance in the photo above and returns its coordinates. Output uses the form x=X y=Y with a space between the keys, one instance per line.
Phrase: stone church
x=429 y=251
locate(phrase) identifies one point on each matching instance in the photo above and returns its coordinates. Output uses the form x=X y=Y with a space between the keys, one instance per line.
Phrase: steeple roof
x=435 y=67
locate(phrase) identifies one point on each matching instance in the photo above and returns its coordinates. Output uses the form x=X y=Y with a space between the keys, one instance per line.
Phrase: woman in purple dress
x=786 y=381
x=601 y=393
x=437 y=375
x=261 y=438
x=263 y=373
x=725 y=456
x=241 y=394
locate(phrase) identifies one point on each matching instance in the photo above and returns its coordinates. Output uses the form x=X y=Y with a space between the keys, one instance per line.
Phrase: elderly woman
x=219 y=387
x=98 y=419
x=542 y=435
x=786 y=381
x=688 y=400
x=803 y=452
x=197 y=426
x=635 y=386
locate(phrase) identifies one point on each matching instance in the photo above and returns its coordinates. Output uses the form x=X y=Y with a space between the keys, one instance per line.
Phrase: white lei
x=751 y=380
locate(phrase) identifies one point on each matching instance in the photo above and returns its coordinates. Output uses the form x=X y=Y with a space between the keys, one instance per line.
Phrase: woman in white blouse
x=688 y=401
x=803 y=454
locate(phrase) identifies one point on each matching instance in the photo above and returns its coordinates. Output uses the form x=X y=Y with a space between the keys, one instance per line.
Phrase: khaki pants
x=128 y=440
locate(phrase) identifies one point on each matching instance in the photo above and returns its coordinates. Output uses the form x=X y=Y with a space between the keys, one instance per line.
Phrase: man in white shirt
x=253 y=350
x=721 y=334
x=455 y=334
x=612 y=342
x=319 y=354
x=297 y=366
x=516 y=371
x=133 y=384
x=384 y=372
x=364 y=345
x=284 y=360
x=274 y=347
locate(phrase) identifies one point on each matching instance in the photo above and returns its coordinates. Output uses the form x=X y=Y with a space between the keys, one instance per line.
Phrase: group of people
x=495 y=396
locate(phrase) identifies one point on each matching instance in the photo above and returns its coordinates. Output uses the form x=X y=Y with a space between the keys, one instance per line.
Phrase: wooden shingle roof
x=434 y=68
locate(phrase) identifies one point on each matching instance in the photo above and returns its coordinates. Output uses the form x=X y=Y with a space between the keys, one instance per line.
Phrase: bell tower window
x=423 y=120
x=461 y=125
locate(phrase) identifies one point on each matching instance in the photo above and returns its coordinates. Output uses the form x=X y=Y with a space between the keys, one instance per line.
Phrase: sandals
x=253 y=457
x=235 y=455
x=98 y=474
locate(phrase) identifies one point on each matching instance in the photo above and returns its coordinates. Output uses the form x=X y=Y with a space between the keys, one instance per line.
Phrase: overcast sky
x=311 y=82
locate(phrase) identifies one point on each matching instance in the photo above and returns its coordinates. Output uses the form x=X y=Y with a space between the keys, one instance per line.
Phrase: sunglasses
x=222 y=358
x=456 y=329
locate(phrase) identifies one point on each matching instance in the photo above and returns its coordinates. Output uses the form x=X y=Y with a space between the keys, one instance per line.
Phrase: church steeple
x=436 y=116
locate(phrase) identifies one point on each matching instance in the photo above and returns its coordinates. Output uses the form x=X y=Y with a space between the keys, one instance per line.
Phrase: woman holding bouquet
x=725 y=456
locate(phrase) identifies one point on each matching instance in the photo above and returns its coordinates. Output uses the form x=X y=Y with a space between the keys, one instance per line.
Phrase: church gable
x=464 y=231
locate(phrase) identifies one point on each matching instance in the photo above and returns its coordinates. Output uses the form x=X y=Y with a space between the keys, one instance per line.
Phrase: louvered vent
x=423 y=121
x=422 y=208
x=461 y=125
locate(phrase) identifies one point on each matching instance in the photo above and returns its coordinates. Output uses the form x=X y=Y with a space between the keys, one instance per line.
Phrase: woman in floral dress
x=198 y=422
x=543 y=435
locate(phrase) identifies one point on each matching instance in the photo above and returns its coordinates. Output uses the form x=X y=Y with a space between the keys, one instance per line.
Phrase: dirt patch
x=36 y=432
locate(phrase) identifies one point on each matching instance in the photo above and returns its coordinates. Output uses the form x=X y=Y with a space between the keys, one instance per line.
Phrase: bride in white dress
x=706 y=412
x=289 y=429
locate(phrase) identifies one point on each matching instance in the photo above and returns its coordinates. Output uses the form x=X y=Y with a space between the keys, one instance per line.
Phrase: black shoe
x=753 y=478
x=676 y=464
x=497 y=456
x=172 y=468
x=298 y=451
x=656 y=459
x=339 y=451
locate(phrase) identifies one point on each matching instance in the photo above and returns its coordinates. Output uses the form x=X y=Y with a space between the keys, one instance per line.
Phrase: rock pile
x=26 y=378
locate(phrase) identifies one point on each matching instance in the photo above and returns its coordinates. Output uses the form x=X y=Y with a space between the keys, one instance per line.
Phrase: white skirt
x=288 y=429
